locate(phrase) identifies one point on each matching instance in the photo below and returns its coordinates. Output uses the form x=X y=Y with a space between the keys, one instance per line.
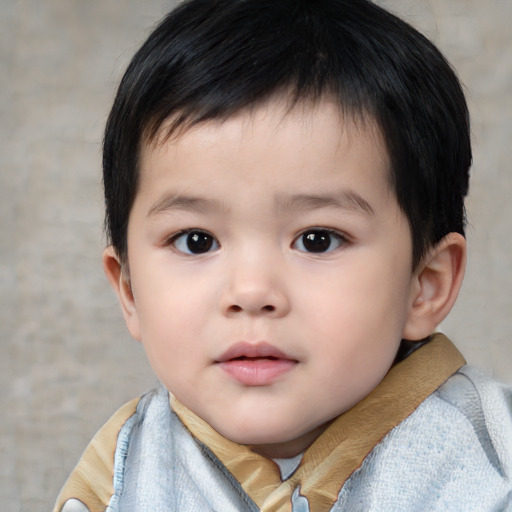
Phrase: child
x=285 y=184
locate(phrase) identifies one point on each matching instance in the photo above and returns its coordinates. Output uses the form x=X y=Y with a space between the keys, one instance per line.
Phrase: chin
x=274 y=440
x=256 y=437
x=257 y=434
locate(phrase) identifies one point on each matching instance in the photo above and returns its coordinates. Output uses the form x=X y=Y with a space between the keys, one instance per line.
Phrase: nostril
x=235 y=308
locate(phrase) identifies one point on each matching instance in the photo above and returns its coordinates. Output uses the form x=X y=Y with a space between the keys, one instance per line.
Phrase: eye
x=318 y=241
x=194 y=242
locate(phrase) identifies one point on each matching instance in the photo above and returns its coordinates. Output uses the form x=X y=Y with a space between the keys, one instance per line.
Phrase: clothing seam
x=121 y=453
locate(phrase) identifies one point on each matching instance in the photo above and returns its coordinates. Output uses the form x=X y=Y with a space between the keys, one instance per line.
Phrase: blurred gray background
x=67 y=361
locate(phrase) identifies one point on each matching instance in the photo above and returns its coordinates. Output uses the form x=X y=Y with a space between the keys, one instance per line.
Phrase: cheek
x=356 y=297
x=169 y=292
x=170 y=341
x=358 y=316
x=162 y=318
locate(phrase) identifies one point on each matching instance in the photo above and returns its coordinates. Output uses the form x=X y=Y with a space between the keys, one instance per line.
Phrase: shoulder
x=486 y=406
x=454 y=452
x=90 y=485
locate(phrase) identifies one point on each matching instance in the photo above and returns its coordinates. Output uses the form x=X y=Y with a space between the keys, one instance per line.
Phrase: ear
x=119 y=279
x=436 y=284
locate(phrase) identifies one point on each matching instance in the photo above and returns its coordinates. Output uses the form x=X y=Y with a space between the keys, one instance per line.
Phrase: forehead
x=324 y=123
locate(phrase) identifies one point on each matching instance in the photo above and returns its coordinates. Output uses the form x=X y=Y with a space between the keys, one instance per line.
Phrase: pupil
x=199 y=242
x=317 y=241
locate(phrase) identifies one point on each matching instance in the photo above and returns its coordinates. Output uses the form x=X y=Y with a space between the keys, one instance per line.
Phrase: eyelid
x=343 y=238
x=331 y=231
x=171 y=241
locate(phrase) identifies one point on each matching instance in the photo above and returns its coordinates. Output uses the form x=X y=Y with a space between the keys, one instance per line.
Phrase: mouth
x=258 y=364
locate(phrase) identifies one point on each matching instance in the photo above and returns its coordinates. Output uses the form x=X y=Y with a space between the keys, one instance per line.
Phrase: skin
x=257 y=188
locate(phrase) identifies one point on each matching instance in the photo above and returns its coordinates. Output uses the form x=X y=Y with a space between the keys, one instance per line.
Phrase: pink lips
x=255 y=364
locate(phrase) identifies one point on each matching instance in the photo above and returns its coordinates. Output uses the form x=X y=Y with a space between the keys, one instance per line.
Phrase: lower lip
x=257 y=371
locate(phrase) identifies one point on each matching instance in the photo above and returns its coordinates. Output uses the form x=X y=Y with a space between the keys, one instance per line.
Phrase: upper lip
x=252 y=350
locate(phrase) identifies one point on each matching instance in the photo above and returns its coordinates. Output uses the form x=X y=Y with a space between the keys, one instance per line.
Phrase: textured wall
x=66 y=360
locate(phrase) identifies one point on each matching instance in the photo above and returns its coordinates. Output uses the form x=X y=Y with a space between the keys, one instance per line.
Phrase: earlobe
x=436 y=284
x=120 y=281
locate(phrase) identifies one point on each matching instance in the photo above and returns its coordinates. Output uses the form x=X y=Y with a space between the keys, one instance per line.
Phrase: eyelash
x=208 y=239
x=341 y=240
x=323 y=238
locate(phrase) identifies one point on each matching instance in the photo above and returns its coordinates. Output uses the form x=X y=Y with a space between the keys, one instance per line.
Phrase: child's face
x=270 y=268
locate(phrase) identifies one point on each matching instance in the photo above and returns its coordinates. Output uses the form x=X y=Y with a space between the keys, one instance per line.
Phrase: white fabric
x=288 y=466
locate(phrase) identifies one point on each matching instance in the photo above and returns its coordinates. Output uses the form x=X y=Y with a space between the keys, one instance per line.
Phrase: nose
x=255 y=288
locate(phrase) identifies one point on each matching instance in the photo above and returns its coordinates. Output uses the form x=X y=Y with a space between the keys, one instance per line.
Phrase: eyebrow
x=344 y=200
x=185 y=202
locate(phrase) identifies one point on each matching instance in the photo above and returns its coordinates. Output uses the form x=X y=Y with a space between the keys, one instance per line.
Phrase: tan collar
x=341 y=449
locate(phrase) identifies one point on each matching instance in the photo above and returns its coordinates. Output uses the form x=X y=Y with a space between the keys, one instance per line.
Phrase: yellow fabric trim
x=341 y=449
x=91 y=481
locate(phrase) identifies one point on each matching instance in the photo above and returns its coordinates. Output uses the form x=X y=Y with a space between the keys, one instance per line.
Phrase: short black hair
x=208 y=59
